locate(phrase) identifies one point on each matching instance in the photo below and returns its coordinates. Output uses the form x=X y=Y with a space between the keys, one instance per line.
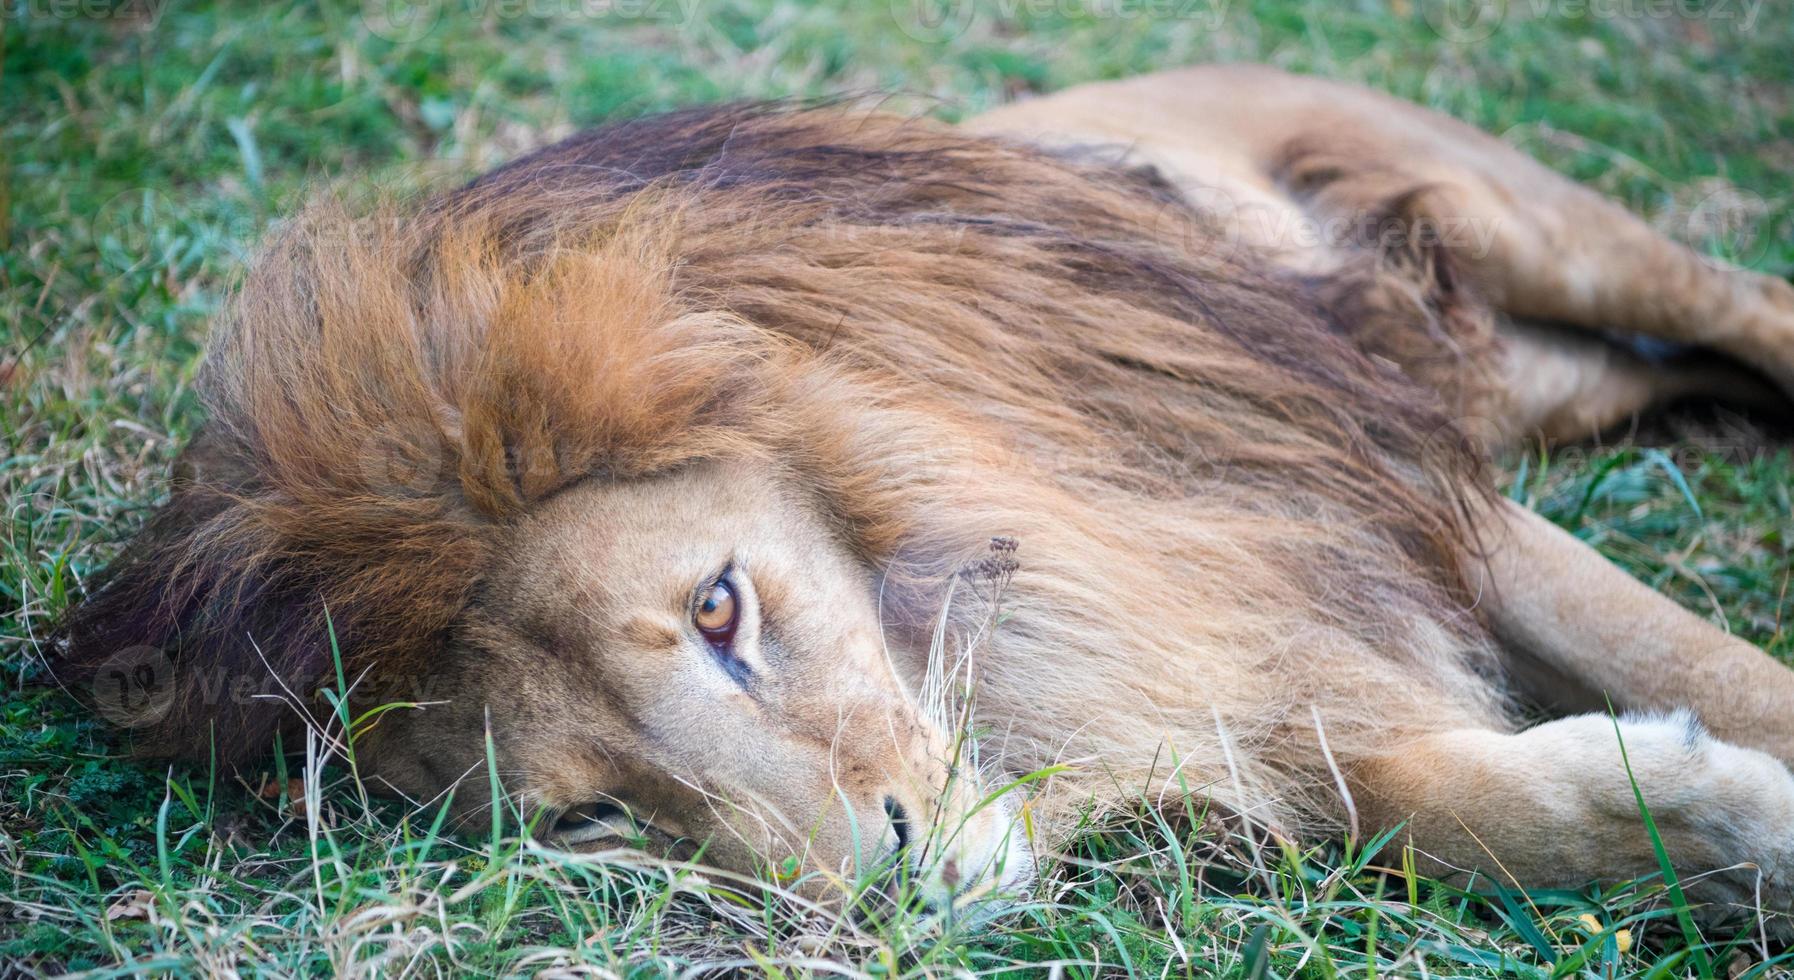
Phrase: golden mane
x=947 y=338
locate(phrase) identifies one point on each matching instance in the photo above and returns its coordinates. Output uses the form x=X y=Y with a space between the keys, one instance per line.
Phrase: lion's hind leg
x=1565 y=386
x=1554 y=806
x=1537 y=245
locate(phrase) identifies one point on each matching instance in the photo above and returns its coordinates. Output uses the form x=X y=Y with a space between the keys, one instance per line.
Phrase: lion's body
x=1249 y=532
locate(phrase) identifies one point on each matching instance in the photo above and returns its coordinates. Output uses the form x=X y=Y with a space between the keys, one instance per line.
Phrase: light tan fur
x=504 y=436
x=1300 y=157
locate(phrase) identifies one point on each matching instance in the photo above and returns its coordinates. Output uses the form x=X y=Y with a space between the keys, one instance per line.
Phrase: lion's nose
x=899 y=818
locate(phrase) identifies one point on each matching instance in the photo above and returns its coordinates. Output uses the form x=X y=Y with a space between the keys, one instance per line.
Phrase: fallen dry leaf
x=134 y=905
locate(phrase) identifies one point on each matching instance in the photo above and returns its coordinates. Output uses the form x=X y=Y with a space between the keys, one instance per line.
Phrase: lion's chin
x=1002 y=869
x=1005 y=890
x=995 y=897
x=985 y=880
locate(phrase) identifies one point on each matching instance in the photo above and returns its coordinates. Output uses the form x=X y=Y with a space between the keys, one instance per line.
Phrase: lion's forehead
x=629 y=556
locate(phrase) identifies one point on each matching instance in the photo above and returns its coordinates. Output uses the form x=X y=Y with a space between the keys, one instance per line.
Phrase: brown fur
x=1242 y=520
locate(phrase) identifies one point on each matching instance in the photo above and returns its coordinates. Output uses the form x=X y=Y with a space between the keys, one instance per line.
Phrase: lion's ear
x=194 y=632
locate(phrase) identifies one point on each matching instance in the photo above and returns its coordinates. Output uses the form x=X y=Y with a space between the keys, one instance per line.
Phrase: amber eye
x=716 y=613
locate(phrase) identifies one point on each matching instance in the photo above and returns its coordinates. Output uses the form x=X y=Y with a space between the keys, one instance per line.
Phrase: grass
x=144 y=147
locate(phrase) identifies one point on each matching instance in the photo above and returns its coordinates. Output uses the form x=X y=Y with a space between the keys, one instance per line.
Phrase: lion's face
x=699 y=654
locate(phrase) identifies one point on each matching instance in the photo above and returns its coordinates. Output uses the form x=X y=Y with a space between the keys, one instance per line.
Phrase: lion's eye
x=717 y=613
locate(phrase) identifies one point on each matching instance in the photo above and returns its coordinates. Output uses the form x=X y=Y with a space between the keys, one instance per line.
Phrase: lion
x=826 y=489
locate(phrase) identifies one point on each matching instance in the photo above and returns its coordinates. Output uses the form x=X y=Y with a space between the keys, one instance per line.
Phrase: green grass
x=141 y=156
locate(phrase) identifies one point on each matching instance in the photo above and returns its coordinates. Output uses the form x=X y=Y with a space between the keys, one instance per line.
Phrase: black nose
x=899 y=821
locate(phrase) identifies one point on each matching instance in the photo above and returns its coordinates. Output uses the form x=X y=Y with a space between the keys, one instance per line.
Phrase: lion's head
x=699 y=654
